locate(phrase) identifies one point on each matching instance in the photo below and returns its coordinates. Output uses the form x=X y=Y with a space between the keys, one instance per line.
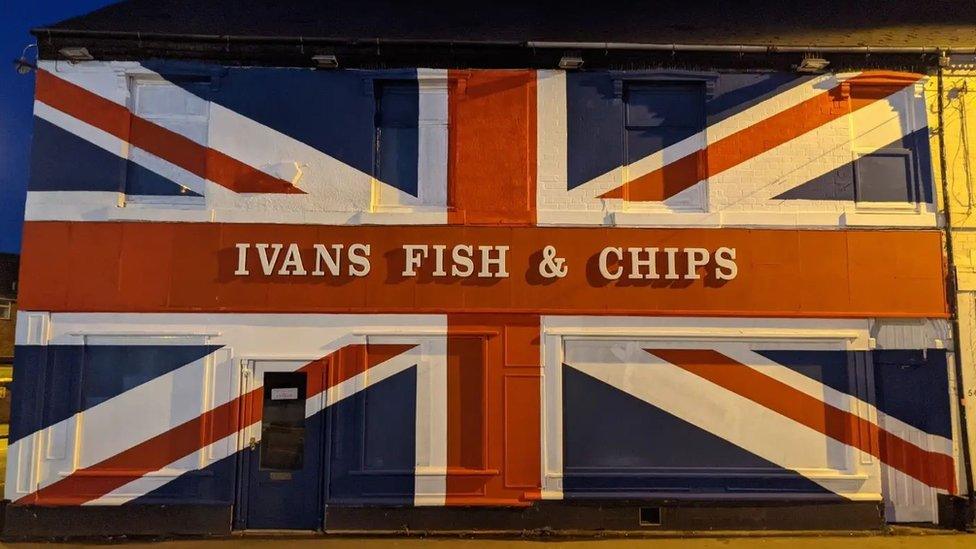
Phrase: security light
x=23 y=64
x=326 y=61
x=75 y=55
x=570 y=62
x=812 y=64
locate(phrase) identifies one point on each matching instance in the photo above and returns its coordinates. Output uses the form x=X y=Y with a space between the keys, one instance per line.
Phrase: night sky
x=16 y=96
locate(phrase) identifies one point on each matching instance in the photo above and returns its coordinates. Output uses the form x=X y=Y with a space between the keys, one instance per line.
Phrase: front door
x=283 y=448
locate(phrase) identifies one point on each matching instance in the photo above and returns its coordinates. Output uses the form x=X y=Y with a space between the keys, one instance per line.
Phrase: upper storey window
x=178 y=105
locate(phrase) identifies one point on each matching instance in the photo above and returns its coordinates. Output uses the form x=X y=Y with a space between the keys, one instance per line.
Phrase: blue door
x=283 y=459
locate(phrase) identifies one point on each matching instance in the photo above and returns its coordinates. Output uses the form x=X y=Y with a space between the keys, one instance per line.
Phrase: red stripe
x=763 y=136
x=933 y=468
x=492 y=134
x=93 y=482
x=115 y=119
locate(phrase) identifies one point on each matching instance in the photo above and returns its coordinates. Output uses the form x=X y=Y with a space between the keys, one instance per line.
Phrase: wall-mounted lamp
x=22 y=63
x=570 y=61
x=326 y=61
x=76 y=54
x=810 y=64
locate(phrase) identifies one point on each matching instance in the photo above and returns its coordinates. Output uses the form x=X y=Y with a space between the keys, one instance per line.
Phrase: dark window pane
x=283 y=421
x=665 y=106
x=397 y=137
x=885 y=176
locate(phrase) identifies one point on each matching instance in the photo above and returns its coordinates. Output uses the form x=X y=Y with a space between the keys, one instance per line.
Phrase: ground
x=903 y=538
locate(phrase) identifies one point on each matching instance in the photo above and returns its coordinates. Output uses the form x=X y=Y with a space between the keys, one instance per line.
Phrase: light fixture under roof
x=570 y=61
x=326 y=61
x=813 y=64
x=76 y=54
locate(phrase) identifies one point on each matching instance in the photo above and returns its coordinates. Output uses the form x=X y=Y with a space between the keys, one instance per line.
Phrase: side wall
x=959 y=134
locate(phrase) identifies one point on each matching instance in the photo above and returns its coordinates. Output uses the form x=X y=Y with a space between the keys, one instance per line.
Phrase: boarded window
x=659 y=115
x=181 y=106
x=885 y=176
x=397 y=116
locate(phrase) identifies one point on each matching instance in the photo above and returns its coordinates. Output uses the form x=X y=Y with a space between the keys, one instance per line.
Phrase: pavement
x=903 y=539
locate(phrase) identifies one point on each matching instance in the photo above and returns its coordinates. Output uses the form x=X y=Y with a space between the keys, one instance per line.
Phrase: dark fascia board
x=393 y=53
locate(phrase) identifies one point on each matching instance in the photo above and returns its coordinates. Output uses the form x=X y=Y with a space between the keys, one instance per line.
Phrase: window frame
x=134 y=80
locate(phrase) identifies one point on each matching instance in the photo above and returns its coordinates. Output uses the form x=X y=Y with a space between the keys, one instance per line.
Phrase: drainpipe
x=952 y=290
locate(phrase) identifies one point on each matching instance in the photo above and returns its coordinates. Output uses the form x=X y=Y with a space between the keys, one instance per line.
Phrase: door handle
x=253 y=443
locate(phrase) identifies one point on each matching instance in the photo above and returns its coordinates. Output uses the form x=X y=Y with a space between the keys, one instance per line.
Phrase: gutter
x=744 y=48
x=50 y=33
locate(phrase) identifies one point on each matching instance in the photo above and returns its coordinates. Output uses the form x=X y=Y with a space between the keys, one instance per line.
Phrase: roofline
x=48 y=32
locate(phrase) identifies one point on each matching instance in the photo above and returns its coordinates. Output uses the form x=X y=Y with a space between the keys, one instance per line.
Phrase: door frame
x=247 y=366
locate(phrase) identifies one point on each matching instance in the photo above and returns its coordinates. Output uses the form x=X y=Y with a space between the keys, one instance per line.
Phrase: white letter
x=293 y=259
x=439 y=259
x=672 y=268
x=331 y=261
x=359 y=263
x=486 y=261
x=268 y=265
x=242 y=259
x=603 y=262
x=697 y=257
x=636 y=263
x=464 y=260
x=413 y=258
x=725 y=259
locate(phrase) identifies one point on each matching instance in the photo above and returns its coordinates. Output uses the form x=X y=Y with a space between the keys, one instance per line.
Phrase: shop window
x=179 y=106
x=6 y=310
x=283 y=421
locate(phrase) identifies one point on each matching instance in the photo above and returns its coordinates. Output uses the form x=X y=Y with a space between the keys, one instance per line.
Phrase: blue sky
x=16 y=97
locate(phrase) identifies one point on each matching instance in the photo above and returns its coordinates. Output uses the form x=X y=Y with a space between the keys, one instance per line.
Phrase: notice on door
x=284 y=393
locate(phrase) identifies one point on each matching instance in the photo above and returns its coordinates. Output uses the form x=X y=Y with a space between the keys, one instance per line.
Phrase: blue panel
x=110 y=370
x=828 y=367
x=398 y=140
x=62 y=161
x=373 y=451
x=46 y=387
x=838 y=184
x=913 y=386
x=214 y=484
x=595 y=140
x=331 y=111
x=616 y=445
x=54 y=382
x=736 y=92
x=910 y=385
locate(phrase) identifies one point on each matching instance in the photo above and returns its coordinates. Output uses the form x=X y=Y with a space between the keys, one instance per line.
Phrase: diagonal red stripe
x=115 y=119
x=933 y=468
x=151 y=455
x=762 y=136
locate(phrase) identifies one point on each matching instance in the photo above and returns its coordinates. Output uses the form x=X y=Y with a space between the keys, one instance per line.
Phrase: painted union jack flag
x=285 y=290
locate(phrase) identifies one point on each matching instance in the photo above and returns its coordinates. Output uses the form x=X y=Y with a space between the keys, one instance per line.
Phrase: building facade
x=488 y=298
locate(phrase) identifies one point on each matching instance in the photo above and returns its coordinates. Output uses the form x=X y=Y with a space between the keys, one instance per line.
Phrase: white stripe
x=837 y=399
x=720 y=130
x=314 y=405
x=742 y=422
x=120 y=148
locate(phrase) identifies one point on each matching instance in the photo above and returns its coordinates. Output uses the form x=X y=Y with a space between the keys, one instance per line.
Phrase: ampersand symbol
x=552 y=266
